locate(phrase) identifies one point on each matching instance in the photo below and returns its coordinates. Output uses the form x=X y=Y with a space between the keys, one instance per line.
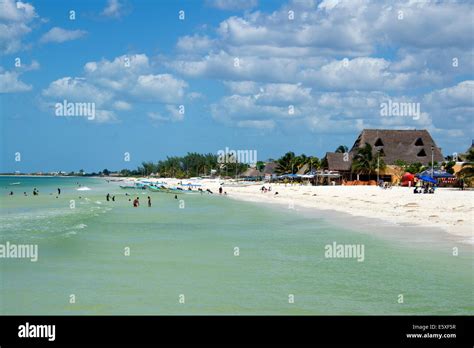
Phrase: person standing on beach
x=220 y=190
x=149 y=201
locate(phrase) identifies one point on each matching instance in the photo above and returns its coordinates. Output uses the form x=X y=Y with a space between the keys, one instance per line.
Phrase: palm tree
x=299 y=162
x=342 y=149
x=314 y=163
x=365 y=162
x=285 y=164
x=467 y=171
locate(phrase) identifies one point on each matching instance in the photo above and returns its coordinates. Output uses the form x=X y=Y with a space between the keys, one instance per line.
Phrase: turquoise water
x=190 y=251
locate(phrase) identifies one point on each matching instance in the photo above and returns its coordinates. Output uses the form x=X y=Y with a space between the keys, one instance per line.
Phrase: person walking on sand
x=149 y=201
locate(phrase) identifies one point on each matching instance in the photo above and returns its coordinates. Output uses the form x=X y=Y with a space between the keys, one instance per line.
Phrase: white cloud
x=105 y=116
x=175 y=114
x=258 y=124
x=9 y=83
x=232 y=4
x=15 y=23
x=121 y=105
x=161 y=87
x=172 y=112
x=156 y=116
x=452 y=107
x=76 y=89
x=60 y=35
x=460 y=95
x=195 y=43
x=114 y=9
x=119 y=84
x=242 y=87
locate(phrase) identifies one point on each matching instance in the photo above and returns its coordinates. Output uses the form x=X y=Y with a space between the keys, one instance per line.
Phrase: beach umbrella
x=427 y=179
x=408 y=178
x=437 y=174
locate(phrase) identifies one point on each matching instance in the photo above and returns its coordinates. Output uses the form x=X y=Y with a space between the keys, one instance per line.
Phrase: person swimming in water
x=136 y=202
x=59 y=191
x=149 y=201
x=107 y=197
x=113 y=198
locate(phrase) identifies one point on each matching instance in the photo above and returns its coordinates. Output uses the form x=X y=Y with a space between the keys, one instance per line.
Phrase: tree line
x=365 y=161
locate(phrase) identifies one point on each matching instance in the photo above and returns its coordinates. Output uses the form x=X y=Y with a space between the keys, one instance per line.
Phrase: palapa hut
x=270 y=170
x=339 y=162
x=410 y=146
x=252 y=174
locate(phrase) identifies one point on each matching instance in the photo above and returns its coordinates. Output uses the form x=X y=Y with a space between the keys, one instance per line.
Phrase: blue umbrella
x=437 y=174
x=427 y=179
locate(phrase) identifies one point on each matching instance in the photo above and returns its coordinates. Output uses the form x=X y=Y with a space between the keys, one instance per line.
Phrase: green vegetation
x=289 y=163
x=467 y=171
x=366 y=161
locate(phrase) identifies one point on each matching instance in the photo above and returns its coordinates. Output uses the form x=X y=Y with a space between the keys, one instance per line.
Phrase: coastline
x=449 y=210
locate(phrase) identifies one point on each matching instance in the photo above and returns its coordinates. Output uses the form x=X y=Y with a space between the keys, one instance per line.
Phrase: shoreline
x=448 y=210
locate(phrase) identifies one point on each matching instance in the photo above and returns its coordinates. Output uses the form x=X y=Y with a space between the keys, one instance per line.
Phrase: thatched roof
x=270 y=168
x=336 y=161
x=252 y=172
x=304 y=168
x=407 y=145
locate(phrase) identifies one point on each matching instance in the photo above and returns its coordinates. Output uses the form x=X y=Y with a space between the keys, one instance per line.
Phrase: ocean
x=209 y=254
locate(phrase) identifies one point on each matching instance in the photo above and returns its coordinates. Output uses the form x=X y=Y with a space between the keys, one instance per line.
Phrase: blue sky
x=236 y=67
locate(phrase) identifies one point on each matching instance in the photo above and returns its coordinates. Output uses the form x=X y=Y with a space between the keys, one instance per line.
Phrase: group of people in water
x=35 y=192
x=136 y=202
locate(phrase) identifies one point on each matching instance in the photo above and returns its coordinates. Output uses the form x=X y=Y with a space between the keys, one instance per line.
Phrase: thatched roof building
x=340 y=162
x=270 y=168
x=252 y=173
x=410 y=146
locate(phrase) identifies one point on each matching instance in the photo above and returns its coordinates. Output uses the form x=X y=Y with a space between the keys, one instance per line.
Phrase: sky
x=163 y=78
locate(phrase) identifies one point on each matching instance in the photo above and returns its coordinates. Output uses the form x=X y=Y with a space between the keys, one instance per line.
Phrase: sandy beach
x=448 y=209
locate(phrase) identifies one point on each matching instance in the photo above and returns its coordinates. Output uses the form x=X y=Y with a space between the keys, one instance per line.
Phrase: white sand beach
x=448 y=209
